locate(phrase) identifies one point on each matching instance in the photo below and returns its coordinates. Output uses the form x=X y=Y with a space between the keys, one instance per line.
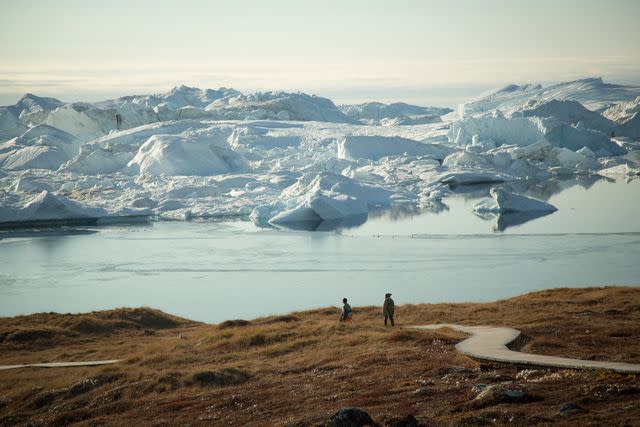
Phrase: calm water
x=216 y=271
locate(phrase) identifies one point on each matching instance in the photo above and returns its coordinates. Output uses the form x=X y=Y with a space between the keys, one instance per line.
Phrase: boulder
x=350 y=417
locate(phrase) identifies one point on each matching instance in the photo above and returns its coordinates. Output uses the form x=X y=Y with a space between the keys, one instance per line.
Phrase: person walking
x=387 y=309
x=346 y=314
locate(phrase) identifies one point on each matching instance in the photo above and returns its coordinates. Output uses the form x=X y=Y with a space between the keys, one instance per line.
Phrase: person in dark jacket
x=346 y=314
x=387 y=309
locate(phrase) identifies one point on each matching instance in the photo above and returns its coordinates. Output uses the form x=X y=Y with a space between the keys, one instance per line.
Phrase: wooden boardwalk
x=485 y=343
x=490 y=343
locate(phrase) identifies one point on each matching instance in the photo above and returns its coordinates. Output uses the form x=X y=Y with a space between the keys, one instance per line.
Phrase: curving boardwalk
x=60 y=364
x=485 y=343
x=490 y=343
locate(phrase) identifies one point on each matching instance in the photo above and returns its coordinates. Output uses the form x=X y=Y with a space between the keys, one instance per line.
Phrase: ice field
x=213 y=271
x=190 y=197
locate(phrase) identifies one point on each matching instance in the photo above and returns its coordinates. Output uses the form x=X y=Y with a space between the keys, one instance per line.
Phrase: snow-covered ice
x=291 y=158
x=593 y=93
x=46 y=206
x=376 y=147
x=504 y=201
x=398 y=113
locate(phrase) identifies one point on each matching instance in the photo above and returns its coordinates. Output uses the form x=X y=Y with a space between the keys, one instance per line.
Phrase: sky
x=422 y=51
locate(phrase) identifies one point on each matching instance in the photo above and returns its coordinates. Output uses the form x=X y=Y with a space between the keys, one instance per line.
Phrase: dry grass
x=300 y=368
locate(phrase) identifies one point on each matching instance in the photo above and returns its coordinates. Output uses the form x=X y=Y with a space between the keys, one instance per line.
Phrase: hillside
x=300 y=368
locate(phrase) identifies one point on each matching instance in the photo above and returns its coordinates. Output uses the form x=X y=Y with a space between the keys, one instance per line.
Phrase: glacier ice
x=47 y=206
x=321 y=197
x=593 y=93
x=183 y=155
x=571 y=112
x=376 y=147
x=292 y=159
x=398 y=113
x=529 y=130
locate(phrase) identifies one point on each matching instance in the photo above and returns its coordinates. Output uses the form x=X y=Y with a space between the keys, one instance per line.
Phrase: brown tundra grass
x=300 y=368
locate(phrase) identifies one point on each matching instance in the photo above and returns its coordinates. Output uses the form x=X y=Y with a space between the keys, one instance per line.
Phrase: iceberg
x=620 y=171
x=525 y=131
x=377 y=147
x=39 y=147
x=470 y=178
x=322 y=197
x=593 y=93
x=505 y=202
x=627 y=116
x=623 y=111
x=293 y=158
x=570 y=112
x=395 y=114
x=181 y=155
x=47 y=206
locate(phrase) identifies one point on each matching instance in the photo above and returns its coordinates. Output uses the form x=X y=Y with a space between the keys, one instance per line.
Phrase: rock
x=495 y=394
x=479 y=388
x=570 y=409
x=350 y=417
x=406 y=421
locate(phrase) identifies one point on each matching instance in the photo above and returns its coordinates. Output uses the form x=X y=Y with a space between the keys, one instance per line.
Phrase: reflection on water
x=217 y=271
x=46 y=232
x=511 y=219
x=585 y=204
x=326 y=225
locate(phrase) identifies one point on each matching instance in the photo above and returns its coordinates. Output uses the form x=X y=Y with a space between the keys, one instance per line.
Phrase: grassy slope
x=304 y=366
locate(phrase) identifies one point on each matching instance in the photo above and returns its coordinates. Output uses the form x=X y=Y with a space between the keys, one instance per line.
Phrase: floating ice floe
x=322 y=197
x=505 y=202
x=471 y=177
x=511 y=209
x=620 y=171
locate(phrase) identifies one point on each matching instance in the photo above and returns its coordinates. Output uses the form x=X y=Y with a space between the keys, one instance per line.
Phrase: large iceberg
x=93 y=120
x=593 y=93
x=525 y=131
x=571 y=112
x=290 y=158
x=322 y=197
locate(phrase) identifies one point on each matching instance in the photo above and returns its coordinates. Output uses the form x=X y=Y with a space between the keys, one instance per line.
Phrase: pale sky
x=348 y=50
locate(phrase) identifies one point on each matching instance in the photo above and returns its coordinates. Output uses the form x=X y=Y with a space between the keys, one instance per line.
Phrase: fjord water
x=212 y=271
